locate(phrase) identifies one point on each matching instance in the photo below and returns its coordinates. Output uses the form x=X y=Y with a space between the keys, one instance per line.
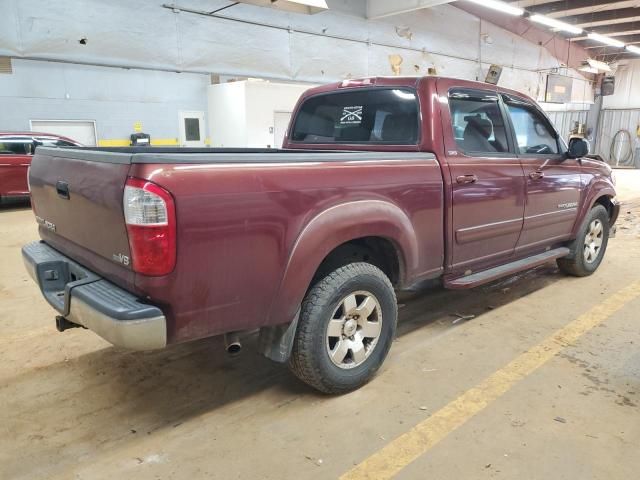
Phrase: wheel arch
x=599 y=192
x=374 y=226
x=612 y=207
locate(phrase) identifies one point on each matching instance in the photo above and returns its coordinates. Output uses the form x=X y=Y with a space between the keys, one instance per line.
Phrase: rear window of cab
x=372 y=116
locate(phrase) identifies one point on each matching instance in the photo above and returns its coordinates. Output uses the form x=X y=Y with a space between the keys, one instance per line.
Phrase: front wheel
x=346 y=326
x=587 y=250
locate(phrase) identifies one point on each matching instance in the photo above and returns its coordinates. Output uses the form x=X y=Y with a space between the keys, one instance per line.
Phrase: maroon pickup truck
x=382 y=183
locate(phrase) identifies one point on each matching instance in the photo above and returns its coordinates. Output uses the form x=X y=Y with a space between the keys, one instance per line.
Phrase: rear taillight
x=149 y=213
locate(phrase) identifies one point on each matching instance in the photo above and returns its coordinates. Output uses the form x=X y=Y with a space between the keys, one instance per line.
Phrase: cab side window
x=533 y=132
x=15 y=146
x=53 y=142
x=478 y=125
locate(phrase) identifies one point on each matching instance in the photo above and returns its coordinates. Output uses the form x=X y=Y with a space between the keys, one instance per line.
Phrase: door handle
x=465 y=179
x=62 y=188
x=536 y=175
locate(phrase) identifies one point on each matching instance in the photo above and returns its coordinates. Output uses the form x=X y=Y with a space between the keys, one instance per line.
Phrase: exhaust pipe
x=232 y=343
x=63 y=324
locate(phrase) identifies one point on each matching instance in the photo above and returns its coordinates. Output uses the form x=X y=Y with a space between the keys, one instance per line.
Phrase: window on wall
x=533 y=132
x=478 y=125
x=192 y=129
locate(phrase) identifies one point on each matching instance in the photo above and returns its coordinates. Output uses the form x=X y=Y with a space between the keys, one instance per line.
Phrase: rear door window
x=372 y=116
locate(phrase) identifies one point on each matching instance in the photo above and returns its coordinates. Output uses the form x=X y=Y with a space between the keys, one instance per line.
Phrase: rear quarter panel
x=239 y=225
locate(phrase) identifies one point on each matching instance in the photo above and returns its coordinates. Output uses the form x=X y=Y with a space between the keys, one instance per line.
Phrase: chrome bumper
x=85 y=299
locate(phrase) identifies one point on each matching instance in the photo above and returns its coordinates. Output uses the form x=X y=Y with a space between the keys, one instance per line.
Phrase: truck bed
x=241 y=215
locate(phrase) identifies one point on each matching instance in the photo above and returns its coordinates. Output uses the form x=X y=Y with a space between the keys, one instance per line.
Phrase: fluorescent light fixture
x=633 y=49
x=500 y=6
x=557 y=24
x=595 y=66
x=589 y=69
x=599 y=65
x=606 y=40
x=296 y=6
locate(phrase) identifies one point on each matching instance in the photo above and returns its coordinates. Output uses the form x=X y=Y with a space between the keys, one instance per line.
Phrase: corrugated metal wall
x=611 y=122
x=564 y=121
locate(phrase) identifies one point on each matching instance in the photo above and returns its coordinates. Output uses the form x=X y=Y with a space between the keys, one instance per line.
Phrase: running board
x=486 y=276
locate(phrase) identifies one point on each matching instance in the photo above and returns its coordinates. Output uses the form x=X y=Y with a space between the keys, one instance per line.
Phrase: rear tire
x=589 y=247
x=346 y=326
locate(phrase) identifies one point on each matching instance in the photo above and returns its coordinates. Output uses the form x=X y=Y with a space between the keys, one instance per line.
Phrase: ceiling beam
x=627 y=38
x=613 y=34
x=608 y=54
x=383 y=8
x=563 y=9
x=607 y=17
x=603 y=23
x=593 y=47
x=568 y=53
x=619 y=56
x=616 y=29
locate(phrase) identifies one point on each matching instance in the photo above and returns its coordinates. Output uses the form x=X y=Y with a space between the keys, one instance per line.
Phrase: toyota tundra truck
x=381 y=183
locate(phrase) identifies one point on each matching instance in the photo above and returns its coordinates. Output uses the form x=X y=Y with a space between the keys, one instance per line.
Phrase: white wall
x=241 y=114
x=227 y=114
x=319 y=48
x=333 y=45
x=115 y=98
x=263 y=99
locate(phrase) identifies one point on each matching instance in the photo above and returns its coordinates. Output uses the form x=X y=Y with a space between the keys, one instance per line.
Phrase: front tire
x=589 y=247
x=346 y=326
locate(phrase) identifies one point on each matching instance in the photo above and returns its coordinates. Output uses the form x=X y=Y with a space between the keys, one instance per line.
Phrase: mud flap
x=276 y=342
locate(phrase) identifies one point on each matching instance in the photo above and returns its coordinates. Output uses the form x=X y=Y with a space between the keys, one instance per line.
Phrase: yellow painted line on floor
x=400 y=452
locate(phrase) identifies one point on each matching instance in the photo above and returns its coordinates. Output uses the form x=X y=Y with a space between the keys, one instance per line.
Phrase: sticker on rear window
x=351 y=115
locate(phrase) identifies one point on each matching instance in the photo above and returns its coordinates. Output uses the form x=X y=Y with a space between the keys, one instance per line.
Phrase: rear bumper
x=86 y=299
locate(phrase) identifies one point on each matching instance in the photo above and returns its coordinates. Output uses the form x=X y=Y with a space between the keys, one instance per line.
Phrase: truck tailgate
x=77 y=198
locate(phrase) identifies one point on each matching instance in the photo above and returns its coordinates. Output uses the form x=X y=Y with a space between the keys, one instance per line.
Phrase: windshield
x=372 y=116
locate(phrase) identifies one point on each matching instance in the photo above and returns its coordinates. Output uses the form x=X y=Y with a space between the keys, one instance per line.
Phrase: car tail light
x=149 y=213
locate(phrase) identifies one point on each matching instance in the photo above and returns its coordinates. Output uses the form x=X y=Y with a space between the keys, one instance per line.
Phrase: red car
x=383 y=182
x=16 y=151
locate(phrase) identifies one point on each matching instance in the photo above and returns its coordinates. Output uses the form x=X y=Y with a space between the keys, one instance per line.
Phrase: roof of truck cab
x=405 y=82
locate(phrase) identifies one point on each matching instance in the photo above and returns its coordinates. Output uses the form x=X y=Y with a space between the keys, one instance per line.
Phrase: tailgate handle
x=63 y=189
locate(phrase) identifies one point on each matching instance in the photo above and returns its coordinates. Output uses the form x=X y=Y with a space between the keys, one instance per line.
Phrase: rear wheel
x=346 y=326
x=587 y=250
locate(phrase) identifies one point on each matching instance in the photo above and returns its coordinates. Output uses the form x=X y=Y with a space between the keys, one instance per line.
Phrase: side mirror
x=578 y=147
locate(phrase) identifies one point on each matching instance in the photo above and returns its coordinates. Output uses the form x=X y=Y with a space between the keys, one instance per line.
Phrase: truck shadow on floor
x=111 y=396
x=10 y=204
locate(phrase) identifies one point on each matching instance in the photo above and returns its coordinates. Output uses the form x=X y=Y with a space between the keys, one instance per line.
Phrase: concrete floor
x=75 y=407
